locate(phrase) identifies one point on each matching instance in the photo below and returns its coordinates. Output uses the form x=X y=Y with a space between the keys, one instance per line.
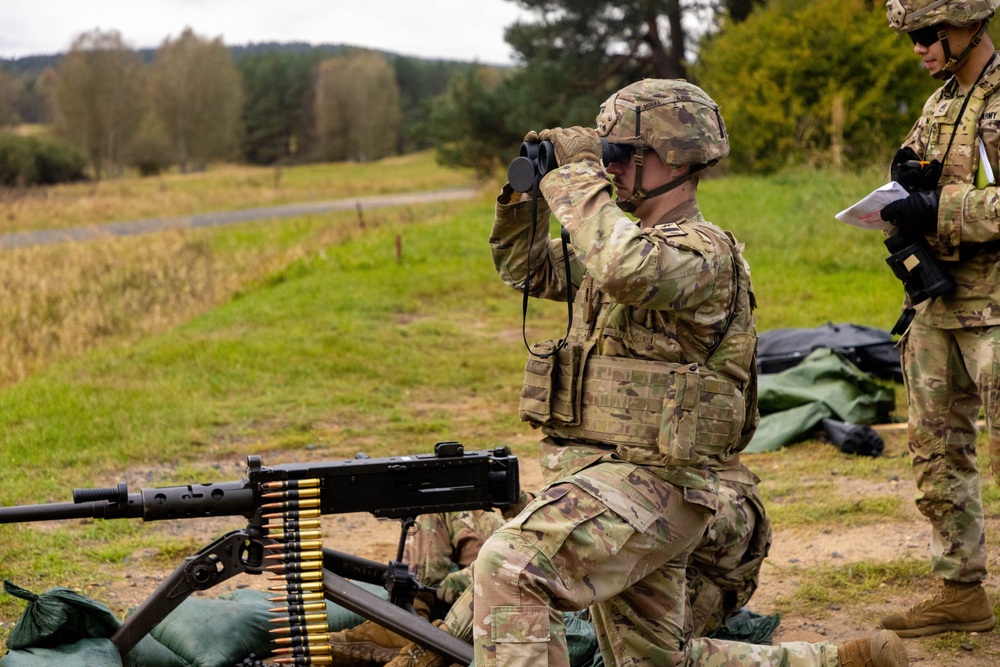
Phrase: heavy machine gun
x=282 y=505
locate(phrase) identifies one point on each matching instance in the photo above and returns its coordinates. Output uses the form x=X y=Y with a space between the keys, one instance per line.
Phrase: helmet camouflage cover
x=910 y=15
x=674 y=118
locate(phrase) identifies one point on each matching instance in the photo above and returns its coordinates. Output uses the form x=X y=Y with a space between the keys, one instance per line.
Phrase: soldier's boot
x=882 y=649
x=415 y=655
x=365 y=643
x=957 y=607
x=370 y=642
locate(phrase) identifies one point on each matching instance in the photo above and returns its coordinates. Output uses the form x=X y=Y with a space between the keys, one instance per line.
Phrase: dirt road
x=134 y=227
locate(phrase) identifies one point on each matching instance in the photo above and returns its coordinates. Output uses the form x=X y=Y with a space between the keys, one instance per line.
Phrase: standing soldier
x=652 y=391
x=951 y=349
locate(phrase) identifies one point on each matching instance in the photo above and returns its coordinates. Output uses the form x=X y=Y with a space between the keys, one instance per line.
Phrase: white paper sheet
x=865 y=214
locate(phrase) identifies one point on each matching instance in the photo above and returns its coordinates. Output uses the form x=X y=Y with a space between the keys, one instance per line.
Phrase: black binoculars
x=538 y=158
x=912 y=262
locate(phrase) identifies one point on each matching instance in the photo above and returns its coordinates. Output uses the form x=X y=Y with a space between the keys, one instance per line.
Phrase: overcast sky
x=467 y=30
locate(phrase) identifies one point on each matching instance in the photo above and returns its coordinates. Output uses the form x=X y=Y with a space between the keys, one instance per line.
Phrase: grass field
x=307 y=337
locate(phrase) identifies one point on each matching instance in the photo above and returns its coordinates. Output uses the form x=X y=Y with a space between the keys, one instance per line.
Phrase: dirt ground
x=365 y=536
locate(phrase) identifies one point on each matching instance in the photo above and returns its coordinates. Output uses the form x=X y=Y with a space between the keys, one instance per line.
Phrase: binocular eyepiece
x=539 y=158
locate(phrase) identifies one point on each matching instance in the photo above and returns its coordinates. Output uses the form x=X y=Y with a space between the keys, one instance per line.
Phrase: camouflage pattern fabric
x=613 y=537
x=950 y=351
x=723 y=571
x=446 y=539
x=674 y=118
x=910 y=15
x=949 y=373
x=968 y=234
x=616 y=527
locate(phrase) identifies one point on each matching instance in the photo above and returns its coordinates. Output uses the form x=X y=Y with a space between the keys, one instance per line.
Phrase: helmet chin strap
x=640 y=195
x=952 y=62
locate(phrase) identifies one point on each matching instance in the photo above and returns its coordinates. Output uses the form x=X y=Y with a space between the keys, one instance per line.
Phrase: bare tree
x=99 y=97
x=358 y=113
x=11 y=89
x=197 y=94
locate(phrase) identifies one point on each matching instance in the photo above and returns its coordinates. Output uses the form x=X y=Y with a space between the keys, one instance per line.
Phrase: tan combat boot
x=882 y=649
x=415 y=655
x=365 y=643
x=955 y=608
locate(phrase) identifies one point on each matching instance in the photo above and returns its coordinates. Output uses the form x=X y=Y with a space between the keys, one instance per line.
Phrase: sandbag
x=58 y=616
x=91 y=652
x=208 y=632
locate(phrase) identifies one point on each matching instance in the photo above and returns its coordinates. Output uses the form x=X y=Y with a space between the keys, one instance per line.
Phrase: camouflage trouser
x=724 y=569
x=443 y=540
x=722 y=572
x=950 y=374
x=614 y=538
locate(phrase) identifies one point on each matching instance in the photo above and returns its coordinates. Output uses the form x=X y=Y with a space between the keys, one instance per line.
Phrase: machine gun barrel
x=450 y=479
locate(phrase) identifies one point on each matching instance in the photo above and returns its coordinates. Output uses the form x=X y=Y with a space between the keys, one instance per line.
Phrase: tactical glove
x=913 y=174
x=531 y=137
x=917 y=214
x=573 y=144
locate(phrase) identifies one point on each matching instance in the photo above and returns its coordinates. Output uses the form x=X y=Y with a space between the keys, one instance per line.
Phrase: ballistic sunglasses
x=925 y=37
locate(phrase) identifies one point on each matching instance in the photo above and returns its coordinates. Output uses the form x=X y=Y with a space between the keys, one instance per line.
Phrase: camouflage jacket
x=662 y=292
x=967 y=239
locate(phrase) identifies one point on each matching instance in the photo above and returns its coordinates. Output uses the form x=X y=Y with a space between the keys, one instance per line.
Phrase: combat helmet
x=907 y=16
x=675 y=119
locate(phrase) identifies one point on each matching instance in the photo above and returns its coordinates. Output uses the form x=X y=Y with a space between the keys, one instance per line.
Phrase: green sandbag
x=581 y=639
x=58 y=616
x=207 y=632
x=747 y=626
x=219 y=632
x=151 y=653
x=84 y=653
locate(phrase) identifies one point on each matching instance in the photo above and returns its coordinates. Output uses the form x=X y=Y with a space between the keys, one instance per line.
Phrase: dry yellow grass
x=59 y=301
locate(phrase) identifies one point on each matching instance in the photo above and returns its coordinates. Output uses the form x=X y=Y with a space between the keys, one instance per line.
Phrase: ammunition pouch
x=551 y=394
x=653 y=412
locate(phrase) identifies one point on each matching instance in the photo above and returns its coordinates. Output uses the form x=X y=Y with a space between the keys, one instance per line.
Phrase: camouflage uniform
x=951 y=349
x=444 y=541
x=656 y=385
x=721 y=573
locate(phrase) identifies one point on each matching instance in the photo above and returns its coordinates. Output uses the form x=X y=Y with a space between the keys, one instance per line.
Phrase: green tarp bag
x=824 y=384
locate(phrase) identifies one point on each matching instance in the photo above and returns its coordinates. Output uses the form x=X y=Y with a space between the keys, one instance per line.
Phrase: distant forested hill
x=32 y=66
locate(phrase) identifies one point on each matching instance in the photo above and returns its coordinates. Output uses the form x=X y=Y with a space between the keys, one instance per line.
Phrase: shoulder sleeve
x=516 y=252
x=966 y=213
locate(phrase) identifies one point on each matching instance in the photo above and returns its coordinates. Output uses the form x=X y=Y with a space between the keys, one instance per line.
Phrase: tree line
x=194 y=100
x=822 y=82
